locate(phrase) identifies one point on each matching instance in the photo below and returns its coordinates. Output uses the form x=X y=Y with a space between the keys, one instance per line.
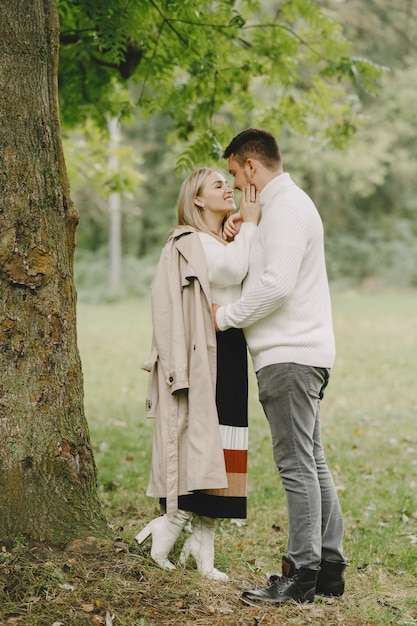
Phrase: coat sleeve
x=152 y=396
x=168 y=322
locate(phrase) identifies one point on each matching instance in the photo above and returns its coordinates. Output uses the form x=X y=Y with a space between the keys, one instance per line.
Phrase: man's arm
x=284 y=243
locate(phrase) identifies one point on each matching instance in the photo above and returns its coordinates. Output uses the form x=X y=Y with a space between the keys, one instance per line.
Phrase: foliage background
x=353 y=149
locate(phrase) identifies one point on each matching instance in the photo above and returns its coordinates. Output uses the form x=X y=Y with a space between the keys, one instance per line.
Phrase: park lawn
x=368 y=422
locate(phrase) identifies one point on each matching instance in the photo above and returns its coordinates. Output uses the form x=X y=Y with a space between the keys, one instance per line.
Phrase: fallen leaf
x=66 y=587
x=87 y=608
x=225 y=610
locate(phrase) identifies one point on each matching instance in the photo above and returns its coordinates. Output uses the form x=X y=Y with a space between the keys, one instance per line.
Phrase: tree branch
x=132 y=55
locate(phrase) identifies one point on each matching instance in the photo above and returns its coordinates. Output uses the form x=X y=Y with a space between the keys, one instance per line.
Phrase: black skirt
x=232 y=409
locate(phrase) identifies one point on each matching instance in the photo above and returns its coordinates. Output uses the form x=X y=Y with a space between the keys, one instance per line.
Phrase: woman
x=198 y=379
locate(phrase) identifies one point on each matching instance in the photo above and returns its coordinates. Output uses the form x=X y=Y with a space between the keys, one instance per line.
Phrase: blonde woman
x=198 y=378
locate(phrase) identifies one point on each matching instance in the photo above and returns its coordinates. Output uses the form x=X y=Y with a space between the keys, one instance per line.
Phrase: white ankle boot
x=165 y=531
x=200 y=544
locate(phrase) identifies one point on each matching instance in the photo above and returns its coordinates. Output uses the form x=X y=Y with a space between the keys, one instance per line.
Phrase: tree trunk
x=48 y=488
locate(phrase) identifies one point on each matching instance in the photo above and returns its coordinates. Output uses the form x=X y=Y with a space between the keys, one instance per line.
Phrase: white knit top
x=227 y=263
x=285 y=305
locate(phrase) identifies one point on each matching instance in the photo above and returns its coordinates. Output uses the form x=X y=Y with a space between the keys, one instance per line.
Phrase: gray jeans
x=290 y=395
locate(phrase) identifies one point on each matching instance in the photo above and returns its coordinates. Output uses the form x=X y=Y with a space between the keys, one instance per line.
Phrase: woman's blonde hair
x=188 y=213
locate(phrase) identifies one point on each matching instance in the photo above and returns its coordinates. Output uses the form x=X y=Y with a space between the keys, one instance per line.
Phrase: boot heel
x=165 y=531
x=144 y=533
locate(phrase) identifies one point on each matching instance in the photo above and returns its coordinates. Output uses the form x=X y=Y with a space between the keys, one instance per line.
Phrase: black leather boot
x=288 y=570
x=330 y=581
x=300 y=587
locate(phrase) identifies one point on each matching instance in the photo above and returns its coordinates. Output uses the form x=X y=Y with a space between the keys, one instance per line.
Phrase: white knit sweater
x=285 y=305
x=227 y=263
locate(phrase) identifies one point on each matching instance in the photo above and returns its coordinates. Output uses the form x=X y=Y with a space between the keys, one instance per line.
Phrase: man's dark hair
x=254 y=143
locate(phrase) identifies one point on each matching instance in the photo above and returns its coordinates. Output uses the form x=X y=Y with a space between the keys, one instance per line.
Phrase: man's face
x=240 y=174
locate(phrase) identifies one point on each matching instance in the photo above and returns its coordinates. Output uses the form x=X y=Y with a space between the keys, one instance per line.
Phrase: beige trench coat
x=187 y=453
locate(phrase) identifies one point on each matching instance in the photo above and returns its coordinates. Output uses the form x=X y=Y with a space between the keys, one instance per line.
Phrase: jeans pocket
x=317 y=380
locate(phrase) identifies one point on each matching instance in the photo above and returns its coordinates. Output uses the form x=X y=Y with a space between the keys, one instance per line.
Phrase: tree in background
x=211 y=66
x=367 y=192
x=104 y=172
x=205 y=64
x=209 y=69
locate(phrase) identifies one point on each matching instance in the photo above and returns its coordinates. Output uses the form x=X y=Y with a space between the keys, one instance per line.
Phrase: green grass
x=369 y=430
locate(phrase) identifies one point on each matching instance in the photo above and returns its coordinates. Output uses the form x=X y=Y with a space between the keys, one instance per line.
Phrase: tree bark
x=48 y=489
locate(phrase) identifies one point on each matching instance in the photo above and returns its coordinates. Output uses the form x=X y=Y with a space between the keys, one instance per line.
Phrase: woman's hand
x=231 y=226
x=250 y=209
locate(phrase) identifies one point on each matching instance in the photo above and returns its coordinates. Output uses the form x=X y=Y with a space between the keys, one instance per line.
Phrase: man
x=285 y=311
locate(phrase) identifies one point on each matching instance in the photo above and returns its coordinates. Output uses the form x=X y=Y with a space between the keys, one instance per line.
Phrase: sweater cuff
x=249 y=226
